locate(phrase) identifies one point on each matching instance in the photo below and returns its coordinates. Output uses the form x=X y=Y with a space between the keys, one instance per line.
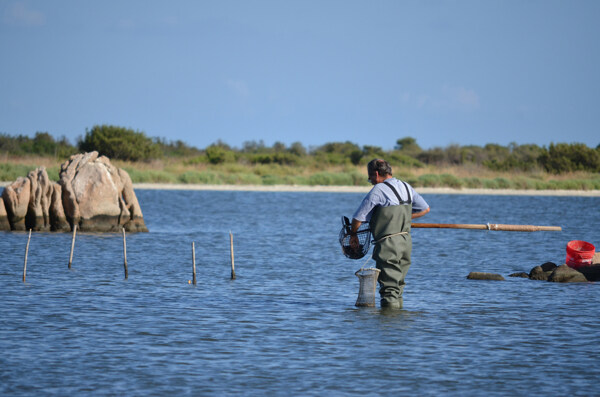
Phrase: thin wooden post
x=26 y=253
x=72 y=245
x=125 y=255
x=193 y=263
x=232 y=261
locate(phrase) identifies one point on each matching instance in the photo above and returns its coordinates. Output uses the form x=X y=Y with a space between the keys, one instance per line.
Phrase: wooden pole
x=26 y=253
x=193 y=263
x=493 y=226
x=232 y=262
x=72 y=245
x=125 y=255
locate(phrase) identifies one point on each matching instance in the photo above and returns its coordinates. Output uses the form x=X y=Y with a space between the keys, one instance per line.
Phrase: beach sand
x=364 y=189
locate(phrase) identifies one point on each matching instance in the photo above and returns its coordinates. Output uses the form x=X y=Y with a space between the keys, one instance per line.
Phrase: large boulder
x=4 y=224
x=38 y=210
x=97 y=196
x=16 y=201
x=58 y=220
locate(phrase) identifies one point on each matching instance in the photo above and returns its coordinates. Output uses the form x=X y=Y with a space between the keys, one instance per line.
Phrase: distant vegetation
x=557 y=166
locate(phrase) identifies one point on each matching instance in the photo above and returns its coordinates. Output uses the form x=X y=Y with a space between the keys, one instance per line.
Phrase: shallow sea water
x=288 y=325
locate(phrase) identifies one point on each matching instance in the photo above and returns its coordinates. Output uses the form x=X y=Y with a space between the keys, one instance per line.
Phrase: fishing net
x=368 y=287
x=364 y=239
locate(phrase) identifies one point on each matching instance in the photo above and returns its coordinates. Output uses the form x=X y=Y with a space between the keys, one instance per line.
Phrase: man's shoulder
x=394 y=182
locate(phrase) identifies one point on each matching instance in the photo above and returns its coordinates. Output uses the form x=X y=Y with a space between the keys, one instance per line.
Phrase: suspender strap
x=409 y=201
x=407 y=193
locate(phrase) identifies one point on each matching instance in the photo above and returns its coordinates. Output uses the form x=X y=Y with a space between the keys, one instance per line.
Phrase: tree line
x=130 y=145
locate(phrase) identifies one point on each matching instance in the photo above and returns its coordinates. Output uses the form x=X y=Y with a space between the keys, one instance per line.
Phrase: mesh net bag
x=364 y=239
x=368 y=287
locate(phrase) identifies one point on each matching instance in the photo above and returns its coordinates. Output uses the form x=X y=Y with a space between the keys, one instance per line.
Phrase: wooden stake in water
x=125 y=255
x=193 y=263
x=72 y=245
x=232 y=262
x=26 y=253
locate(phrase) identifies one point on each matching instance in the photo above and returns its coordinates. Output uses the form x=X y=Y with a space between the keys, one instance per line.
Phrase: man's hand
x=354 y=243
x=420 y=214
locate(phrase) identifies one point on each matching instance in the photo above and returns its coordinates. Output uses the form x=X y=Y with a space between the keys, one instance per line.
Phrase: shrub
x=429 y=180
x=218 y=155
x=451 y=181
x=119 y=143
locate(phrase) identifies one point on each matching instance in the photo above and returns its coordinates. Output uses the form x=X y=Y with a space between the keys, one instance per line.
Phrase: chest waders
x=393 y=245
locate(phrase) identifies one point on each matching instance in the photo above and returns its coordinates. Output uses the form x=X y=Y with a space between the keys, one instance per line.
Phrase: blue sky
x=369 y=72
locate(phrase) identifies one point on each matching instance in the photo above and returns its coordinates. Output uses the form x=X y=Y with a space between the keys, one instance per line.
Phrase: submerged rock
x=485 y=276
x=565 y=274
x=519 y=274
x=591 y=273
x=542 y=272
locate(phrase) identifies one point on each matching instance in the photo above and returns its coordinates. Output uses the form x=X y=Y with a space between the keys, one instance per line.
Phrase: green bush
x=120 y=143
x=150 y=176
x=242 y=179
x=204 y=177
x=502 y=183
x=42 y=144
x=202 y=159
x=330 y=179
x=219 y=155
x=272 y=180
x=10 y=172
x=450 y=181
x=472 y=183
x=429 y=180
x=564 y=157
x=397 y=160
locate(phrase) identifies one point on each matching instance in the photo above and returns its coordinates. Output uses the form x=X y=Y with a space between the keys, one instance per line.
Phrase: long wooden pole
x=232 y=263
x=194 y=263
x=26 y=253
x=72 y=245
x=125 y=255
x=492 y=226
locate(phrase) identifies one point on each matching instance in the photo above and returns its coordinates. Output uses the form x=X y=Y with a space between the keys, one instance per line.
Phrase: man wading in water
x=389 y=208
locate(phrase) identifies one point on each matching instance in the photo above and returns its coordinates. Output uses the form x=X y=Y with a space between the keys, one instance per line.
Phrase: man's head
x=378 y=170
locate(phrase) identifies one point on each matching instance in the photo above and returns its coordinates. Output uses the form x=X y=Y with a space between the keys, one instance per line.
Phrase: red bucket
x=579 y=253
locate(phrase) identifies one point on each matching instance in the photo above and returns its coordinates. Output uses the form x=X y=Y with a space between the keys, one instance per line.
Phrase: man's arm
x=415 y=215
x=353 y=237
x=355 y=225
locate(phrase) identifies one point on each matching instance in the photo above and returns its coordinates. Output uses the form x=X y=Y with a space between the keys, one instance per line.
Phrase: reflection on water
x=287 y=324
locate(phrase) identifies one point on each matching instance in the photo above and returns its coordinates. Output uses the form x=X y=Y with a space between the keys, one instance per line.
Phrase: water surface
x=287 y=324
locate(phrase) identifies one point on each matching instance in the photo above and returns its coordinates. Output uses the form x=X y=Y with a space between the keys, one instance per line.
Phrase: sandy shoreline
x=357 y=189
x=364 y=189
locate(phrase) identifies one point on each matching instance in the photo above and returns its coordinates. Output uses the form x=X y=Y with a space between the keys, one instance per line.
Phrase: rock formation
x=564 y=274
x=91 y=193
x=485 y=276
x=549 y=271
x=16 y=201
x=4 y=224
